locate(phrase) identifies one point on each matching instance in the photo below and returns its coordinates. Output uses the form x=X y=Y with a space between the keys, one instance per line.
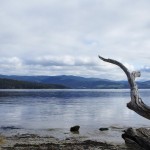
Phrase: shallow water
x=43 y=109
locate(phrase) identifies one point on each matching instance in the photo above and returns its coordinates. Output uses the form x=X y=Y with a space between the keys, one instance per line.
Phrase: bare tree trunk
x=136 y=104
x=138 y=138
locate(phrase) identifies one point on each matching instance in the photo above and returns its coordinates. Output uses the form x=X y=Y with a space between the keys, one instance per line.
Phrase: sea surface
x=43 y=109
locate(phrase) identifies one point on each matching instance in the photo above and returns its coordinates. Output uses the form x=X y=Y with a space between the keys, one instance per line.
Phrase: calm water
x=65 y=108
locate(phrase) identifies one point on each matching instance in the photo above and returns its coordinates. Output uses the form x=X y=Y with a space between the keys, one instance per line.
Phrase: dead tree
x=139 y=136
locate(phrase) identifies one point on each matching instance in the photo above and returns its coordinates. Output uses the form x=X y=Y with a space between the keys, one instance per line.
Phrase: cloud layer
x=66 y=37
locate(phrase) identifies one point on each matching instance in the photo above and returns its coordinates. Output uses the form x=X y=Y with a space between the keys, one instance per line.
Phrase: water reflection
x=65 y=108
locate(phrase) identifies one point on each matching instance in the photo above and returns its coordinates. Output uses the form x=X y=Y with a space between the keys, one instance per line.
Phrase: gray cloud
x=62 y=61
x=68 y=65
x=145 y=69
x=43 y=33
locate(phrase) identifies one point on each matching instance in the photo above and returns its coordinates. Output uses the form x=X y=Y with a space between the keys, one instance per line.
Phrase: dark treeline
x=15 y=84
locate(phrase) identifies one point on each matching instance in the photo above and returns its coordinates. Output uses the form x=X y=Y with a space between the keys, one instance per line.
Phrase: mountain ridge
x=77 y=82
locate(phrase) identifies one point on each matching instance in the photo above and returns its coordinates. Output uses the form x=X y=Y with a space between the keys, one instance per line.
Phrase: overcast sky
x=55 y=37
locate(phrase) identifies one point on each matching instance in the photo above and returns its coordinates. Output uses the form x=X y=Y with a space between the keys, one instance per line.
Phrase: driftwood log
x=139 y=136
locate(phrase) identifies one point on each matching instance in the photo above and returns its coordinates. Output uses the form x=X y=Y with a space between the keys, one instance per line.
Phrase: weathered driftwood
x=137 y=137
x=136 y=104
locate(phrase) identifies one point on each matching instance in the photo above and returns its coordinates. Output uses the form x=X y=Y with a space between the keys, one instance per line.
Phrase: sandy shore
x=12 y=138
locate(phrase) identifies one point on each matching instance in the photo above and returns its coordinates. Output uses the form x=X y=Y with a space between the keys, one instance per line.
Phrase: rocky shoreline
x=21 y=139
x=34 y=142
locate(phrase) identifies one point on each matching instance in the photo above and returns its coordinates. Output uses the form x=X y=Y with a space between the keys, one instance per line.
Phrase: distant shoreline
x=64 y=82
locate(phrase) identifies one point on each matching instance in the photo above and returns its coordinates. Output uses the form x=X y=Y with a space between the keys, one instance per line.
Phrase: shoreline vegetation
x=13 y=138
x=15 y=84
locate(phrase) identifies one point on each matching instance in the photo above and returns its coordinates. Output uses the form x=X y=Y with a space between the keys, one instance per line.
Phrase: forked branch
x=136 y=104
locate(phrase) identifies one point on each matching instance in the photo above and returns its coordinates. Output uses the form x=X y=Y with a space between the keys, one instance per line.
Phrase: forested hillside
x=15 y=84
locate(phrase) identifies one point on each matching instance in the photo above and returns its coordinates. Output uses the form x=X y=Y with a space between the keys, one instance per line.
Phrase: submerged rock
x=103 y=129
x=75 y=128
x=9 y=127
